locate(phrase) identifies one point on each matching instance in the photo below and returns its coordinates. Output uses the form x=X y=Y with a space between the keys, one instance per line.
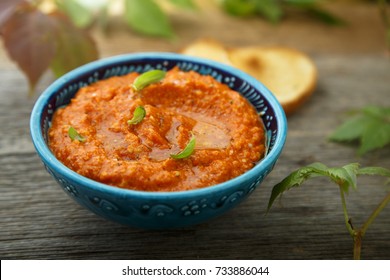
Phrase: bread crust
x=290 y=74
x=208 y=48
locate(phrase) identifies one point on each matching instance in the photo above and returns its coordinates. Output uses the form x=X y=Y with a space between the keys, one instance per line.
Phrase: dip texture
x=228 y=131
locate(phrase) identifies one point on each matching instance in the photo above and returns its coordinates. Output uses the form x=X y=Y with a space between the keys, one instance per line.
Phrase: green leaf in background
x=102 y=18
x=6 y=9
x=344 y=176
x=146 y=17
x=80 y=15
x=241 y=8
x=295 y=179
x=371 y=127
x=185 y=4
x=384 y=9
x=314 y=9
x=350 y=130
x=374 y=171
x=302 y=3
x=28 y=39
x=270 y=9
x=325 y=16
x=376 y=135
x=273 y=10
x=379 y=112
x=74 y=46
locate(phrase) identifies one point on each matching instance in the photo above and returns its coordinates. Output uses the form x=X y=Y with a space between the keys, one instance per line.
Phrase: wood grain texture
x=39 y=221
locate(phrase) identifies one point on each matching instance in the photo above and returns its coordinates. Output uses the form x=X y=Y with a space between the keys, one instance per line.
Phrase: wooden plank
x=39 y=221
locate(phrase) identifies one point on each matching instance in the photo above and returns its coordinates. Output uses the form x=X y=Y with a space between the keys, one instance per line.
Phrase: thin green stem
x=375 y=213
x=386 y=20
x=346 y=217
x=356 y=235
x=383 y=12
x=357 y=245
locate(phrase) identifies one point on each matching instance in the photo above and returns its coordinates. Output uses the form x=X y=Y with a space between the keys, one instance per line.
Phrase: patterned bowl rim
x=53 y=163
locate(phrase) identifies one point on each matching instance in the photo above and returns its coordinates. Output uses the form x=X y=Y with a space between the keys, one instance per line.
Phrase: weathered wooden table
x=39 y=221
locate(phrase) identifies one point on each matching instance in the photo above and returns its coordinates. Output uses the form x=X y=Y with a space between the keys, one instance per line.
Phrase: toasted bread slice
x=208 y=48
x=289 y=74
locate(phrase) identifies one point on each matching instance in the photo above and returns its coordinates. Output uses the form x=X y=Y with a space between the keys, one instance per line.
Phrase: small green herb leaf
x=147 y=78
x=350 y=130
x=139 y=115
x=187 y=151
x=74 y=135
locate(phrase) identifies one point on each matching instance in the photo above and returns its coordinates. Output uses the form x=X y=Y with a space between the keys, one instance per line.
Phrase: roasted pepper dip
x=229 y=134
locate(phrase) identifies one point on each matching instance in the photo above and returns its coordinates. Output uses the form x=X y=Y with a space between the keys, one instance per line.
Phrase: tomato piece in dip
x=228 y=132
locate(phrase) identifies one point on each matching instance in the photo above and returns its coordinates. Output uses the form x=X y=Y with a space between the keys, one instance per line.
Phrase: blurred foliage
x=274 y=10
x=37 y=41
x=385 y=14
x=149 y=17
x=42 y=34
x=370 y=126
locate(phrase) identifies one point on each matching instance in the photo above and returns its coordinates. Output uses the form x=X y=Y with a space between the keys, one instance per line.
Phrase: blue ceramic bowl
x=157 y=210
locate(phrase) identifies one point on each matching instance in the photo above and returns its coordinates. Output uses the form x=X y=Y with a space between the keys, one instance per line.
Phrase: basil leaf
x=139 y=115
x=74 y=135
x=147 y=78
x=187 y=151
